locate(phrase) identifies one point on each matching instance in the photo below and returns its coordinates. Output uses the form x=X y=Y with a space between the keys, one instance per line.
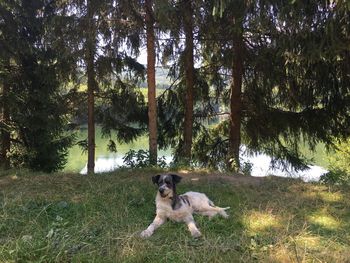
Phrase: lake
x=107 y=161
x=104 y=160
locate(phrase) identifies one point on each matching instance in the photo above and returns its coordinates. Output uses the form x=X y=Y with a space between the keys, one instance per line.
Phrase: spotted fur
x=180 y=208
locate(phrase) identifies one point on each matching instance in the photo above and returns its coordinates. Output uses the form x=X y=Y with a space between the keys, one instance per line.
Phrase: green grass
x=74 y=218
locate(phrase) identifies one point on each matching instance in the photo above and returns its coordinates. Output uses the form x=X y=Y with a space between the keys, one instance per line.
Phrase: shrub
x=339 y=169
x=141 y=159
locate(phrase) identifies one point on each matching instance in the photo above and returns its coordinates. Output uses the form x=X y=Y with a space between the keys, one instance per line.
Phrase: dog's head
x=166 y=184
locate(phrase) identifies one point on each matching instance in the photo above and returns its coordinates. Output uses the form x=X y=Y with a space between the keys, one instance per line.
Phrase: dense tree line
x=266 y=74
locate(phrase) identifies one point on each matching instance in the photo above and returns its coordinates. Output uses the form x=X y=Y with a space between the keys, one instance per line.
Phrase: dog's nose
x=161 y=190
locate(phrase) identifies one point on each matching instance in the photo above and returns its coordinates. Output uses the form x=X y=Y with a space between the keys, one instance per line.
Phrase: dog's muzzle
x=162 y=192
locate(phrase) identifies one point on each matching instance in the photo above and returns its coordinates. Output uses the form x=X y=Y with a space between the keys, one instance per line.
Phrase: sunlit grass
x=331 y=197
x=324 y=220
x=257 y=221
x=309 y=241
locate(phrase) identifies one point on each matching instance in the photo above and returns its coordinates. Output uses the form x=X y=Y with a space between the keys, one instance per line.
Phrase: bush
x=339 y=169
x=141 y=159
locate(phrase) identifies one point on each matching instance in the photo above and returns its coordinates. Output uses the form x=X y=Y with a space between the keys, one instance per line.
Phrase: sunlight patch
x=326 y=221
x=128 y=250
x=260 y=221
x=280 y=254
x=331 y=197
x=308 y=241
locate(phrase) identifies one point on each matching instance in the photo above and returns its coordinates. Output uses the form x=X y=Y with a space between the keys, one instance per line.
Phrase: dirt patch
x=7 y=180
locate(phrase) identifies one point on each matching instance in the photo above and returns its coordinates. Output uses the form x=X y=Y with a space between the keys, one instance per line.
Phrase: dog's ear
x=176 y=178
x=155 y=178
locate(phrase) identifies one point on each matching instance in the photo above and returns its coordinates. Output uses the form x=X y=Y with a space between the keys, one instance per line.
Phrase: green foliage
x=120 y=106
x=339 y=169
x=294 y=71
x=141 y=159
x=247 y=168
x=123 y=110
x=211 y=147
x=295 y=75
x=38 y=110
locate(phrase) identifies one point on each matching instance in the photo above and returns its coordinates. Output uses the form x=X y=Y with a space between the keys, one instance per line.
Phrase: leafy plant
x=339 y=170
x=247 y=168
x=141 y=159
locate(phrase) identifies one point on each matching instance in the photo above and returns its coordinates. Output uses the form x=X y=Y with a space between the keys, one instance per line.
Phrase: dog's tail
x=222 y=211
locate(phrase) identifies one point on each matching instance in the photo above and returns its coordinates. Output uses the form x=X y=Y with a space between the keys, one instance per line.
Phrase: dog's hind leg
x=210 y=214
x=157 y=222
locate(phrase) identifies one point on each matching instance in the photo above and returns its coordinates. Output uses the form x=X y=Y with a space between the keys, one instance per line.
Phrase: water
x=261 y=167
x=106 y=161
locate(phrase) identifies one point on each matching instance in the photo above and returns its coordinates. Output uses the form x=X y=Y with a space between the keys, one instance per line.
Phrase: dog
x=180 y=208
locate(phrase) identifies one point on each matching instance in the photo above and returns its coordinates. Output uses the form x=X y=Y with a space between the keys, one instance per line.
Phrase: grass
x=74 y=218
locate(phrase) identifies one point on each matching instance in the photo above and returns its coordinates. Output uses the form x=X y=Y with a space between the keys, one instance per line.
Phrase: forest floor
x=75 y=218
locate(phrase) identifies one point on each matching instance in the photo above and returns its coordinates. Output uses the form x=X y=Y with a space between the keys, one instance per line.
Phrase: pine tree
x=36 y=108
x=178 y=21
x=291 y=64
x=189 y=76
x=97 y=33
x=151 y=81
x=92 y=84
x=5 y=121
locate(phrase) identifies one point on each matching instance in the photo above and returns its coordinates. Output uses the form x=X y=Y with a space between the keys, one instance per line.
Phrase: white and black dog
x=179 y=208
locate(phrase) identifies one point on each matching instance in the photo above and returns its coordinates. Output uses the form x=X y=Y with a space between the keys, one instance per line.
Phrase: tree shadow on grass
x=291 y=221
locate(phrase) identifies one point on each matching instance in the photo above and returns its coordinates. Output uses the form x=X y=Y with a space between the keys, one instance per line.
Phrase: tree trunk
x=189 y=75
x=151 y=82
x=90 y=54
x=5 y=135
x=236 y=103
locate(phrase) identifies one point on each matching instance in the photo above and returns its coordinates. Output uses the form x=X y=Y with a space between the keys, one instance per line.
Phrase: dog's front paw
x=146 y=233
x=196 y=234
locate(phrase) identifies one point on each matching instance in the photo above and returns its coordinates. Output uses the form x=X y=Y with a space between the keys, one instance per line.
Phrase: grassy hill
x=74 y=218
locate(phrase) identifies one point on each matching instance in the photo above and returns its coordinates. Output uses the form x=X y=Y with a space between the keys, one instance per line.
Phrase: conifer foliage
x=264 y=74
x=35 y=110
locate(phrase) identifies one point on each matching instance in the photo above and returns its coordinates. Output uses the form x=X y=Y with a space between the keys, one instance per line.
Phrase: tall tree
x=189 y=76
x=235 y=95
x=36 y=107
x=151 y=81
x=89 y=60
x=5 y=120
x=98 y=32
x=287 y=76
x=179 y=21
